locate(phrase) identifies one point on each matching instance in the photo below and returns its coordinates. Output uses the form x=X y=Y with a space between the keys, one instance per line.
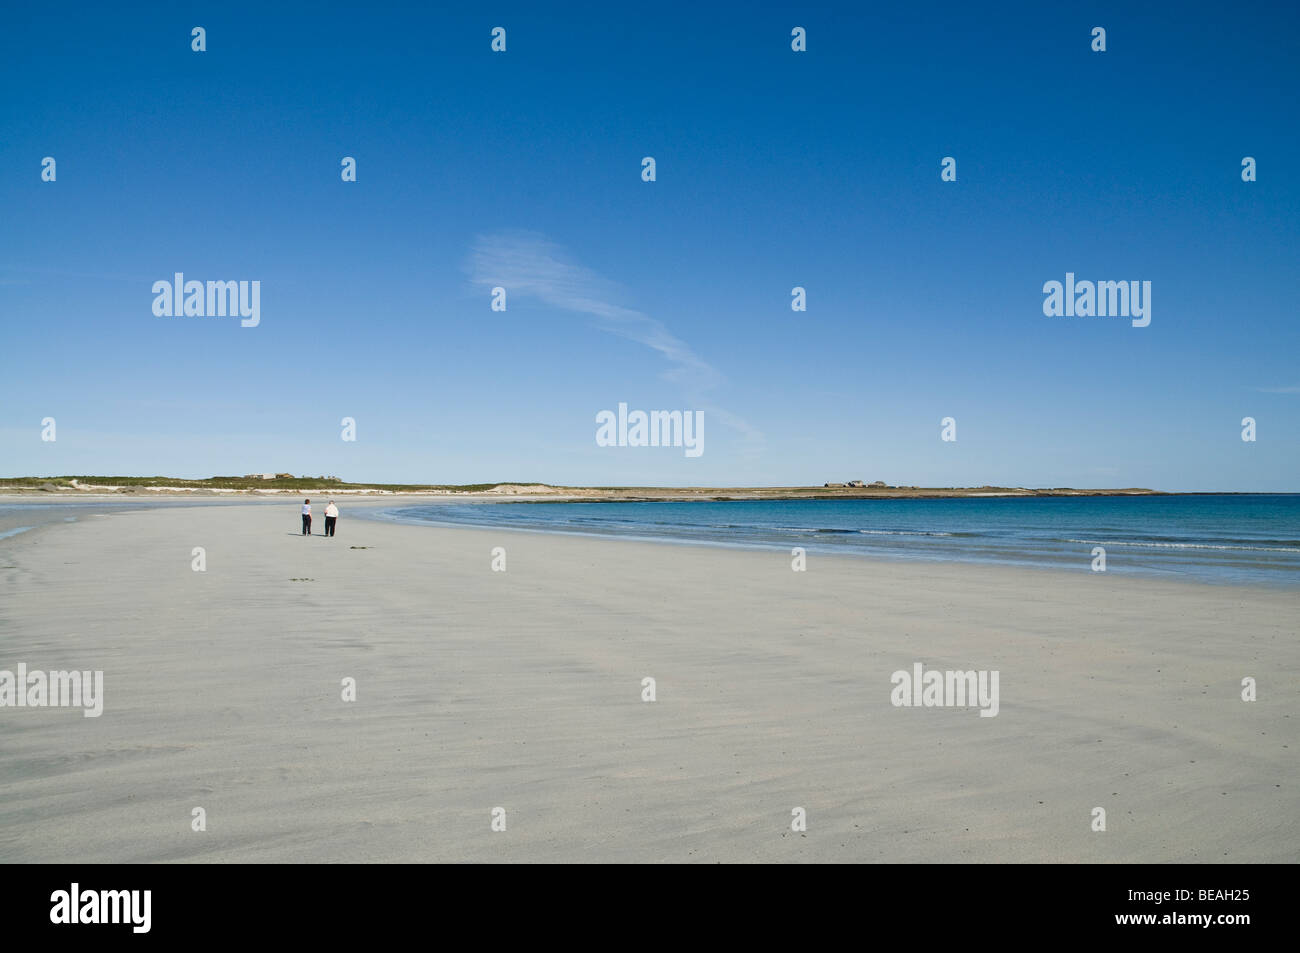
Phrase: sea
x=1242 y=539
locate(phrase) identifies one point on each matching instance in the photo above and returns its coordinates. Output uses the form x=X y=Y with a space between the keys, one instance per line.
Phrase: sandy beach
x=522 y=689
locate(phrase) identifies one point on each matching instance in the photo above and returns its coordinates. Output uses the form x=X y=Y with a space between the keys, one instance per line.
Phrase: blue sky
x=522 y=169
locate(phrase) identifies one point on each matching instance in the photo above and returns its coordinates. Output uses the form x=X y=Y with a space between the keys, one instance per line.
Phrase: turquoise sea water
x=1244 y=539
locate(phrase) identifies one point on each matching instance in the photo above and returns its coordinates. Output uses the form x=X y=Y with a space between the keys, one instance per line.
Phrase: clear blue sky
x=775 y=169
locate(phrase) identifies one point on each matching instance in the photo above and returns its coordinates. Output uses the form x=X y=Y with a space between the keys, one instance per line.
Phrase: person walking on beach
x=306 y=517
x=331 y=518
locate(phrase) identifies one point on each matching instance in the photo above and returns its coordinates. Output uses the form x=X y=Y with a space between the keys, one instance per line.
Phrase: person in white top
x=306 y=517
x=331 y=518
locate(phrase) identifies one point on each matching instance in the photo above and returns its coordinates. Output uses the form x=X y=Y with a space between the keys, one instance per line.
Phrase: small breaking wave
x=864 y=532
x=1147 y=544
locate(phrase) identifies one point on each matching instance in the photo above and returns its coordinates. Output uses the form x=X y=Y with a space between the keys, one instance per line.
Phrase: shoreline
x=1171 y=562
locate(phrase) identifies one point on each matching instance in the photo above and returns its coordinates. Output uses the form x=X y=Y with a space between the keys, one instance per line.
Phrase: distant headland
x=286 y=484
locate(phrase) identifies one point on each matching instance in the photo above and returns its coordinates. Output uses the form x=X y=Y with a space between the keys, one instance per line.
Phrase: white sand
x=522 y=689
